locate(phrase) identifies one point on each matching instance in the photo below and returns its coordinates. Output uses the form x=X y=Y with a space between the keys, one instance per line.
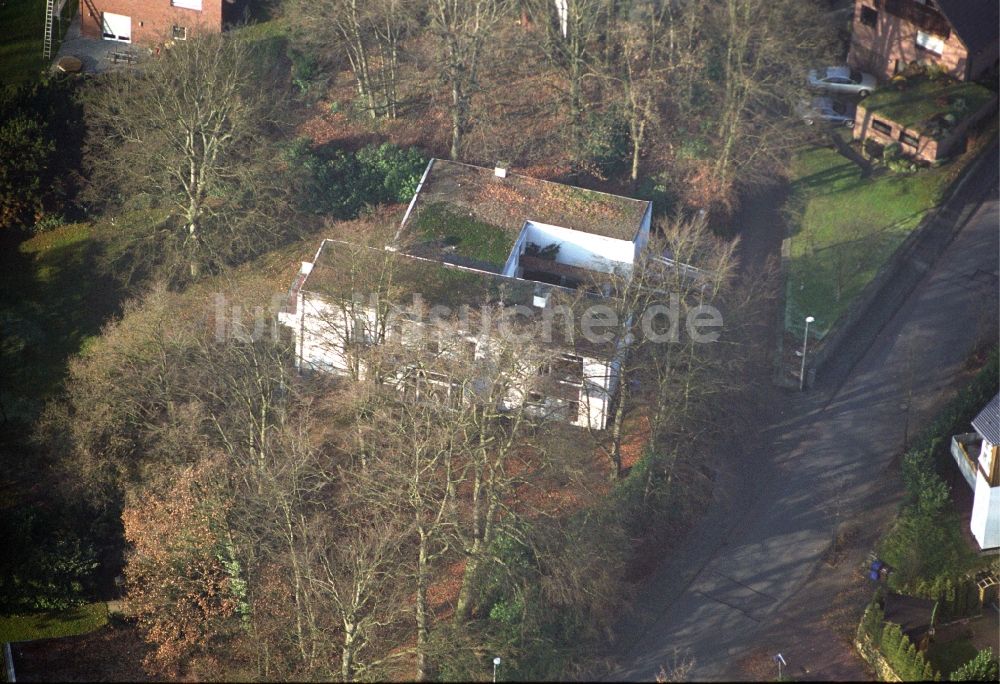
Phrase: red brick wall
x=152 y=20
x=876 y=49
x=927 y=148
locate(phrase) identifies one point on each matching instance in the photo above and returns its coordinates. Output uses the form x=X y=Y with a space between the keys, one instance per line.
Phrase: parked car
x=828 y=110
x=842 y=80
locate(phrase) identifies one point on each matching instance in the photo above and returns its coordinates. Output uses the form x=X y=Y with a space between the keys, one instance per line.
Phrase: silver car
x=827 y=109
x=842 y=80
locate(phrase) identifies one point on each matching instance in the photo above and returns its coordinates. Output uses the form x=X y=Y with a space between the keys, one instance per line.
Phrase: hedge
x=926 y=547
x=899 y=652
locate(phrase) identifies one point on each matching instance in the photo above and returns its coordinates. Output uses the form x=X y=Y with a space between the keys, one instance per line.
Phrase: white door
x=116 y=27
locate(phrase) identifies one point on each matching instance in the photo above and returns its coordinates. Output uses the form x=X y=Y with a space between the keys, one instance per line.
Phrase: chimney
x=541 y=296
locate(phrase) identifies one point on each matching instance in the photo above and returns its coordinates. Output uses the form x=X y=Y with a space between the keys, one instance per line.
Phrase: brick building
x=961 y=36
x=930 y=119
x=149 y=22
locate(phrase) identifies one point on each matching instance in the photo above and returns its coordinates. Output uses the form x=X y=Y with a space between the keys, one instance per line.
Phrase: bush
x=891 y=152
x=47 y=223
x=926 y=543
x=341 y=184
x=871 y=149
x=901 y=166
x=40 y=124
x=305 y=73
x=607 y=146
x=46 y=566
x=393 y=172
x=983 y=668
x=661 y=192
x=903 y=657
x=957 y=598
x=871 y=625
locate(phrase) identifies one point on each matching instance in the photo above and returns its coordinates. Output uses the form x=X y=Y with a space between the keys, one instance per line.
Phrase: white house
x=977 y=457
x=473 y=236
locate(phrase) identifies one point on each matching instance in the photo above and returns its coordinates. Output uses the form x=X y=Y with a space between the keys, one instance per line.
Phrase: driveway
x=751 y=580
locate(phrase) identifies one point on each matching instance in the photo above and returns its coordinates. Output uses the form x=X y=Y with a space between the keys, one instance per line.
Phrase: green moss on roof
x=466 y=235
x=345 y=270
x=919 y=100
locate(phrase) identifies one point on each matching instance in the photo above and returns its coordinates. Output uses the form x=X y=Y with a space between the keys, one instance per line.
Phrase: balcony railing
x=922 y=16
x=960 y=446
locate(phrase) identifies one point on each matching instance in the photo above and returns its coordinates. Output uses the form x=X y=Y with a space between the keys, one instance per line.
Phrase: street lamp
x=805 y=342
x=496 y=664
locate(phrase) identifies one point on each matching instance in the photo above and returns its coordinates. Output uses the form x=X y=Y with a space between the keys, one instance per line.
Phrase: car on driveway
x=828 y=110
x=842 y=80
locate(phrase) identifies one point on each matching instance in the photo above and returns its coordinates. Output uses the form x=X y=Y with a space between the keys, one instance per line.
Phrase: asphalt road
x=815 y=463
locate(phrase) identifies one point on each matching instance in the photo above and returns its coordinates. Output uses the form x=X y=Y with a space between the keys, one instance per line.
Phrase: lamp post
x=805 y=343
x=496 y=664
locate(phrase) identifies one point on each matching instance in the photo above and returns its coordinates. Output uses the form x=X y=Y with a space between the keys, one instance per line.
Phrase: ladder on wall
x=49 y=17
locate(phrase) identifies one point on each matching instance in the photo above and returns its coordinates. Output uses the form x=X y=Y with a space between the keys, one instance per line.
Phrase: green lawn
x=54 y=296
x=844 y=228
x=21 y=49
x=948 y=656
x=79 y=620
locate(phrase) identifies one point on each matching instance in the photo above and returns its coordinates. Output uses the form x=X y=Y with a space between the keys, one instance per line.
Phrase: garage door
x=116 y=27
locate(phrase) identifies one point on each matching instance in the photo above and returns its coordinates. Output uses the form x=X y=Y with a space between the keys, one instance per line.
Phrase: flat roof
x=467 y=215
x=342 y=271
x=920 y=100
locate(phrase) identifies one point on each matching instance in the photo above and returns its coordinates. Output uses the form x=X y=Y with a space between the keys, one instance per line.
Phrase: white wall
x=985 y=454
x=510 y=268
x=319 y=330
x=985 y=522
x=597 y=390
x=322 y=331
x=642 y=238
x=583 y=250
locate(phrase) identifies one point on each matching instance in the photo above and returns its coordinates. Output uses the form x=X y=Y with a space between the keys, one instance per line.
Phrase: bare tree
x=683 y=269
x=462 y=28
x=655 y=44
x=761 y=51
x=193 y=128
x=361 y=577
x=573 y=29
x=370 y=34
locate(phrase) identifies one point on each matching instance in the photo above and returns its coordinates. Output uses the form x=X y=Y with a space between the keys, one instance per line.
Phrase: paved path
x=819 y=460
x=95 y=54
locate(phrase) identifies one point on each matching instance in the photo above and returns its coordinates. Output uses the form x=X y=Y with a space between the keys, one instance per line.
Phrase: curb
x=780 y=379
x=8 y=660
x=847 y=342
